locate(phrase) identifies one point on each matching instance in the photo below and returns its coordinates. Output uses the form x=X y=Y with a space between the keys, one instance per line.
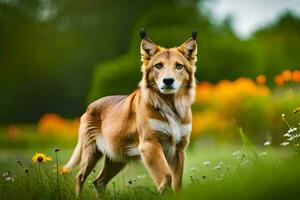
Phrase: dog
x=152 y=124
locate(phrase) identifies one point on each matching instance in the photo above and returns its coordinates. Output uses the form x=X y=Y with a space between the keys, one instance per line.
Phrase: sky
x=249 y=15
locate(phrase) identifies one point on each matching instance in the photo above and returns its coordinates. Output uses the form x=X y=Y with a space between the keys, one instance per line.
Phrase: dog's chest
x=171 y=128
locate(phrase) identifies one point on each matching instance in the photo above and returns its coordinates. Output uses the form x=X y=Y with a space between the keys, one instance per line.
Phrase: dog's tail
x=76 y=156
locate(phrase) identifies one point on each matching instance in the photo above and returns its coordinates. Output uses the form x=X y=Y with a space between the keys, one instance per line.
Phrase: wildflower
x=218 y=179
x=220 y=163
x=217 y=167
x=131 y=183
x=296 y=136
x=296 y=76
x=236 y=153
x=56 y=149
x=40 y=157
x=291 y=130
x=9 y=179
x=245 y=162
x=19 y=162
x=296 y=110
x=261 y=79
x=284 y=120
x=206 y=163
x=279 y=80
x=287 y=75
x=267 y=143
x=193 y=169
x=64 y=170
x=287 y=135
x=284 y=143
x=263 y=154
x=6 y=174
x=141 y=176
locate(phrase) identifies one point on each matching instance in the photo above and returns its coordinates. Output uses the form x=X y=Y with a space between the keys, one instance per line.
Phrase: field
x=212 y=171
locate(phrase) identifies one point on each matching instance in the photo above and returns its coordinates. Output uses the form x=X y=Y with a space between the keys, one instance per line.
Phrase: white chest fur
x=172 y=128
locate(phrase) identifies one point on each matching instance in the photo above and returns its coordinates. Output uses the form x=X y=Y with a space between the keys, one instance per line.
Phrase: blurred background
x=57 y=56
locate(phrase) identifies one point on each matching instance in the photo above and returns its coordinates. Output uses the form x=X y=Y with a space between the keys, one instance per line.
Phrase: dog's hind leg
x=109 y=170
x=89 y=157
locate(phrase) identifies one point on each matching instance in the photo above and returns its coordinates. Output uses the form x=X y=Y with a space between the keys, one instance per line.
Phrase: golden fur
x=152 y=123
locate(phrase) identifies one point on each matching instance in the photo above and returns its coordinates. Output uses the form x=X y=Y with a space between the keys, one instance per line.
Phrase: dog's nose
x=168 y=81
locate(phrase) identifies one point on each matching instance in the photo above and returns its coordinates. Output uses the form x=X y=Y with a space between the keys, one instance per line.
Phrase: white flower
x=220 y=163
x=267 y=143
x=5 y=174
x=9 y=179
x=284 y=143
x=290 y=138
x=141 y=176
x=217 y=167
x=282 y=115
x=291 y=130
x=245 y=162
x=236 y=153
x=206 y=163
x=193 y=169
x=263 y=154
x=287 y=135
x=218 y=179
x=296 y=136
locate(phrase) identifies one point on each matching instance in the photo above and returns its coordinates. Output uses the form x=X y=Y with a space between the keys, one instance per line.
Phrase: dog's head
x=167 y=70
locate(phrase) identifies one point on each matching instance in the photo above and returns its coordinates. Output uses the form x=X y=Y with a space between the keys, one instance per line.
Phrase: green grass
x=243 y=175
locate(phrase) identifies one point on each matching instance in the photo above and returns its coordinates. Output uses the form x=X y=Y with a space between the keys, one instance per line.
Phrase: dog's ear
x=148 y=48
x=189 y=48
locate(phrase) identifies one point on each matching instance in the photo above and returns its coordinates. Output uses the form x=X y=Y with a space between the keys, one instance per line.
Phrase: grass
x=211 y=172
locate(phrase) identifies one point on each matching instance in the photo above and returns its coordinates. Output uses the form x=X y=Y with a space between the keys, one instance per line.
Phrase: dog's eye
x=179 y=66
x=158 y=66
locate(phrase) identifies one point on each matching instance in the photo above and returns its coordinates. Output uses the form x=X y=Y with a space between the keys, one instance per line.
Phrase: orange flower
x=279 y=80
x=287 y=75
x=261 y=79
x=51 y=123
x=64 y=170
x=296 y=76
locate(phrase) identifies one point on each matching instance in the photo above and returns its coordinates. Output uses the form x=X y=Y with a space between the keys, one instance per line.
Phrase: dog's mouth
x=168 y=89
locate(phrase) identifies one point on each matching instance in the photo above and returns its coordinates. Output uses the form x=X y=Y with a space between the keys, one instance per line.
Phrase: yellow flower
x=40 y=157
x=64 y=170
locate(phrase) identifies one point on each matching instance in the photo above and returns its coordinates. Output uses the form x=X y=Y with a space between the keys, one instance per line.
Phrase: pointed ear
x=189 y=48
x=148 y=48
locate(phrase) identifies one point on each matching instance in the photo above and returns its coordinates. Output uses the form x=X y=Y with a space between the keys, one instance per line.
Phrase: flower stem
x=39 y=173
x=45 y=171
x=57 y=181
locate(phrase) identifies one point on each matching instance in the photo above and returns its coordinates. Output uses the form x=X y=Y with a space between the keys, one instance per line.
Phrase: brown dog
x=152 y=123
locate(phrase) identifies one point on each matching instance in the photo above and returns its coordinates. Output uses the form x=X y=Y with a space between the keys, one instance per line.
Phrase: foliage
x=220 y=107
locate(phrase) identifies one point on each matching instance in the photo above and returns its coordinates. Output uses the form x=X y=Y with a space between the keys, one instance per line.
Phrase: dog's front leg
x=156 y=163
x=177 y=164
x=177 y=170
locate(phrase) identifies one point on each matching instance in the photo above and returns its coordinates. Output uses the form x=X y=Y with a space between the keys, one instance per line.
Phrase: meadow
x=244 y=145
x=211 y=172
